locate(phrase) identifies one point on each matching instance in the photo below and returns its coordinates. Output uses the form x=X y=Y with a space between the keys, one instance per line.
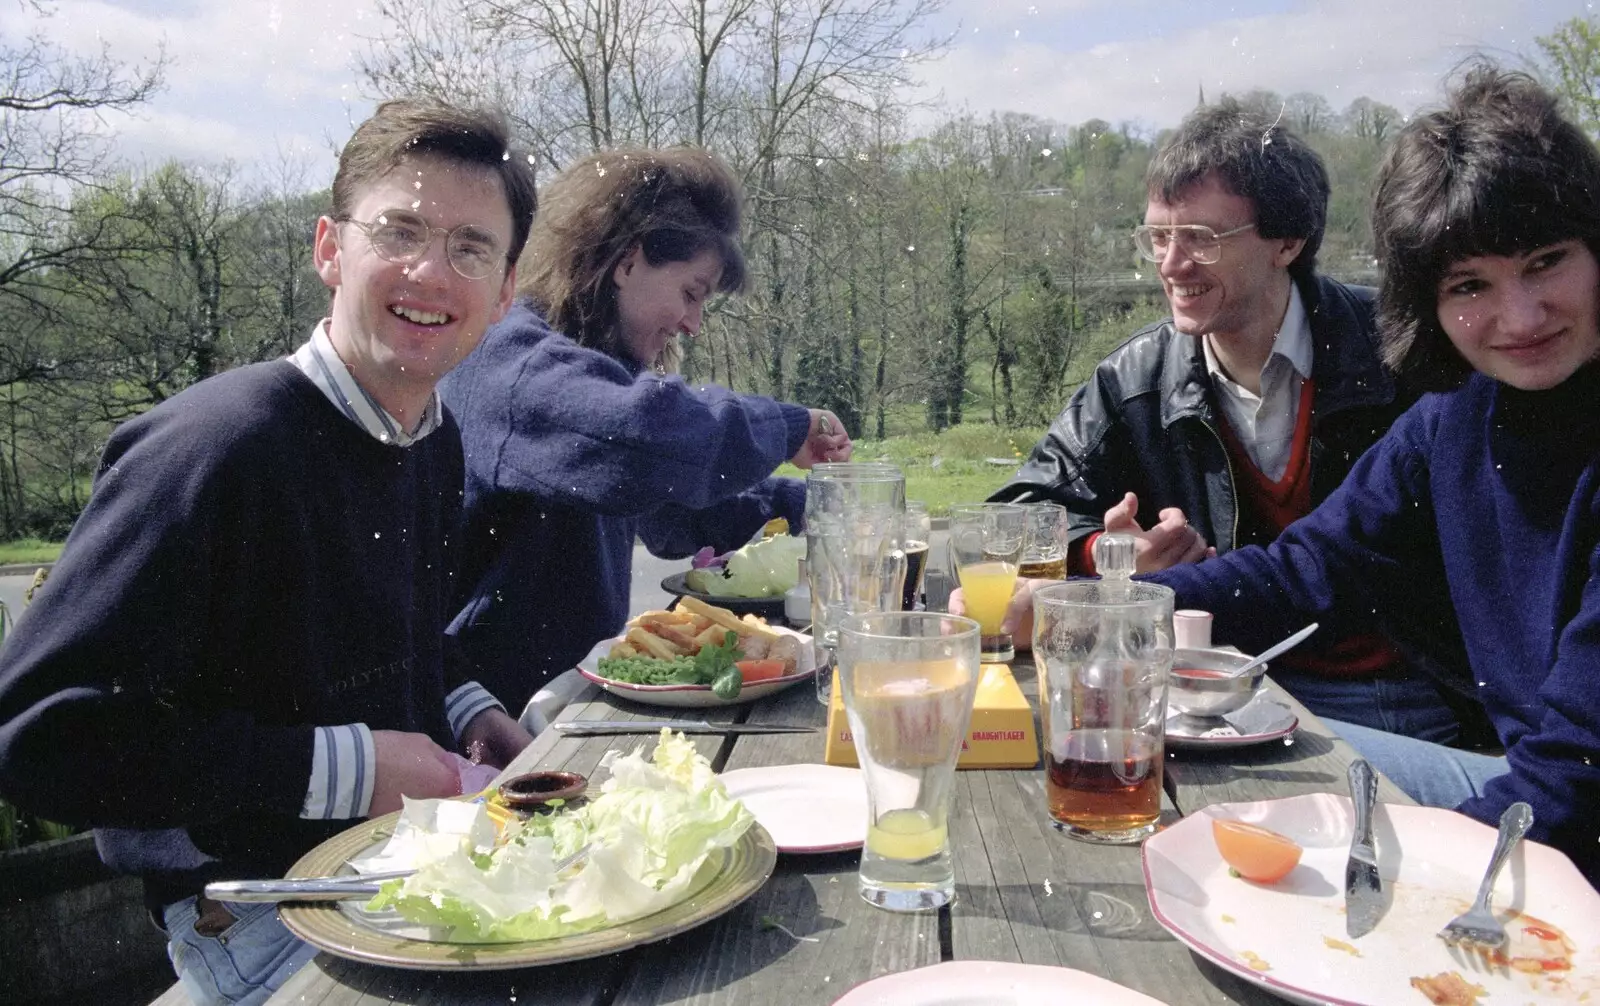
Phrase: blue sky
x=255 y=79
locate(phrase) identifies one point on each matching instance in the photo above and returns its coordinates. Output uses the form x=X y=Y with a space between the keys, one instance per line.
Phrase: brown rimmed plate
x=345 y=929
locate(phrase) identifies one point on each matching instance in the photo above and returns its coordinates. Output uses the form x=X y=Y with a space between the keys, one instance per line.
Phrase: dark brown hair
x=428 y=127
x=673 y=204
x=1255 y=157
x=1497 y=171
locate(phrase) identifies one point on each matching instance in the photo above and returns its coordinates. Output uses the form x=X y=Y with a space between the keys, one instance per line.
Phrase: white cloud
x=245 y=78
x=1395 y=53
x=249 y=77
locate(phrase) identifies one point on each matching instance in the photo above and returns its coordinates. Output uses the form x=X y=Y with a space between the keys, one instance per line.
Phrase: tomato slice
x=1257 y=853
x=760 y=670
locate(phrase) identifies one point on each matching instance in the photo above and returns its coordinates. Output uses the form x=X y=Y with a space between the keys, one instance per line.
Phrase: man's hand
x=1019 y=612
x=410 y=765
x=1168 y=542
x=827 y=441
x=494 y=738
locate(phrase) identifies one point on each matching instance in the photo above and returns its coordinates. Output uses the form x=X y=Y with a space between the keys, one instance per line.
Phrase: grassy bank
x=25 y=550
x=959 y=465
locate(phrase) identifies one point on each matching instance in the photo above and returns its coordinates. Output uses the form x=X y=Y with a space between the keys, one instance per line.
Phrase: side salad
x=717 y=665
x=649 y=831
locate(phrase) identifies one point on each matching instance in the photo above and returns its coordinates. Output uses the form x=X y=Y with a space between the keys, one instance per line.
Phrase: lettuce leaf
x=649 y=830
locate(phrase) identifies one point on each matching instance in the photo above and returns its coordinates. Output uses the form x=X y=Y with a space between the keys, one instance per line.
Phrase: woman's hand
x=494 y=738
x=826 y=441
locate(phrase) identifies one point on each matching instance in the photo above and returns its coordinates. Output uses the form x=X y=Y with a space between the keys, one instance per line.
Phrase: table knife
x=604 y=728
x=1363 y=888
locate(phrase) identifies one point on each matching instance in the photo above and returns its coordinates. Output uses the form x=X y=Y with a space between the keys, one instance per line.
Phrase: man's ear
x=508 y=293
x=325 y=252
x=1288 y=251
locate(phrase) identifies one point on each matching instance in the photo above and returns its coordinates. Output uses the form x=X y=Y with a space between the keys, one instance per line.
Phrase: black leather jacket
x=1146 y=422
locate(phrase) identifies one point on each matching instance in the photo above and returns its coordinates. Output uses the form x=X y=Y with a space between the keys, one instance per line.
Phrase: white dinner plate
x=992 y=983
x=806 y=808
x=698 y=696
x=1261 y=719
x=1289 y=937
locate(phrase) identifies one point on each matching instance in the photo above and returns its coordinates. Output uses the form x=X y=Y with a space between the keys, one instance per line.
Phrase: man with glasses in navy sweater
x=241 y=650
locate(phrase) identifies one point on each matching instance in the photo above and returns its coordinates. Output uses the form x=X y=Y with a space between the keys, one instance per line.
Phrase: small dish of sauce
x=535 y=789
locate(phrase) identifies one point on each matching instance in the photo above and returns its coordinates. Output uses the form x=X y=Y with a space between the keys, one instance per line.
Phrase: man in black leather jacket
x=1244 y=409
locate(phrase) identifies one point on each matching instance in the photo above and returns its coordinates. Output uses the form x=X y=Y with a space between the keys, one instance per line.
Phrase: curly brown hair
x=672 y=204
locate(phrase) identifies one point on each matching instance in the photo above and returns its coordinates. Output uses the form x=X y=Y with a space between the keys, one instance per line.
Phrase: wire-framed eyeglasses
x=403 y=237
x=1197 y=241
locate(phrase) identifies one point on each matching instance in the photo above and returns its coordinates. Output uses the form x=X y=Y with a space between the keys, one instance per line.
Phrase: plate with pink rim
x=1289 y=937
x=993 y=983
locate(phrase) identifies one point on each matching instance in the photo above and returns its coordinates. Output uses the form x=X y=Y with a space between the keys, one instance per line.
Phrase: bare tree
x=53 y=107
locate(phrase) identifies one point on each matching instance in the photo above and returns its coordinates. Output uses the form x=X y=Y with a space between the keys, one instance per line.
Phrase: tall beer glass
x=1103 y=649
x=1045 y=556
x=908 y=679
x=855 y=561
x=986 y=542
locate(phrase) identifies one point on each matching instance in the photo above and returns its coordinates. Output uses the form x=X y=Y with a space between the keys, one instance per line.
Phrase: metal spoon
x=1275 y=650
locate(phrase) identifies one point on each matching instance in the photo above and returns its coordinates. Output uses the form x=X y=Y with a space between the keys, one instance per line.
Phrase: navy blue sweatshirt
x=1478 y=513
x=570 y=454
x=251 y=564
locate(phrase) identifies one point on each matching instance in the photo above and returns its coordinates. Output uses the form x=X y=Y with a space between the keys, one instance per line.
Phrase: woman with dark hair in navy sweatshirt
x=1477 y=518
x=577 y=435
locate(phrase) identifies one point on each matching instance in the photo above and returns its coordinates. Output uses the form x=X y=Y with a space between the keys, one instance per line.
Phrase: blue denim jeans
x=1431 y=774
x=1408 y=706
x=240 y=966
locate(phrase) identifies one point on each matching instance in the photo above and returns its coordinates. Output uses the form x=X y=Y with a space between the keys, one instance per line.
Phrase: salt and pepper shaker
x=1191 y=629
x=797 y=599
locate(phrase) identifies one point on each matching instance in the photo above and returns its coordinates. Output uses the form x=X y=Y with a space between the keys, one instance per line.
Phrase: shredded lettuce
x=649 y=831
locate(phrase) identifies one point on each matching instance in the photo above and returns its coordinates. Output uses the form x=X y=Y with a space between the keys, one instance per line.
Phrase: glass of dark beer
x=918 y=529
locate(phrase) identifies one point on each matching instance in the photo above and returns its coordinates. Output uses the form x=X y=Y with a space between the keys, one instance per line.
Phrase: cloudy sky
x=252 y=79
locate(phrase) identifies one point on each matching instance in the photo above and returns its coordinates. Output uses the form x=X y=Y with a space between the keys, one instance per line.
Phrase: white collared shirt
x=1265 y=423
x=343 y=758
x=318 y=360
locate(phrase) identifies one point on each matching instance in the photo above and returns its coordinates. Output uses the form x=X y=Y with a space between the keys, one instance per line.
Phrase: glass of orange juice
x=986 y=547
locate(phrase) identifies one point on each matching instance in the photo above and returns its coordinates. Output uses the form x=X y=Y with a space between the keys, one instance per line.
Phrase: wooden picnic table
x=1024 y=892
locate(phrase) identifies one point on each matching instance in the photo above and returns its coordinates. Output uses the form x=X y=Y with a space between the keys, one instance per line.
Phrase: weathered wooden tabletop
x=1024 y=891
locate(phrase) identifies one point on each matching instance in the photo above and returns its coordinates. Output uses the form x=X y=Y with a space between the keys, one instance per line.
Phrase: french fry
x=623 y=649
x=725 y=618
x=658 y=616
x=678 y=635
x=712 y=634
x=652 y=644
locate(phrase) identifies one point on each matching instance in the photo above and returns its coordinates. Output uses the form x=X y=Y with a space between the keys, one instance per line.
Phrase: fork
x=1477 y=928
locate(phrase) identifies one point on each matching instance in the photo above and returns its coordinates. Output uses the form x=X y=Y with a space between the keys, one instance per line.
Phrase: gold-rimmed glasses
x=1197 y=241
x=403 y=237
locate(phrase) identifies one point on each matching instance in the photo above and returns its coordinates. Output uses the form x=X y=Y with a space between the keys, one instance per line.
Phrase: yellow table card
x=1002 y=733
